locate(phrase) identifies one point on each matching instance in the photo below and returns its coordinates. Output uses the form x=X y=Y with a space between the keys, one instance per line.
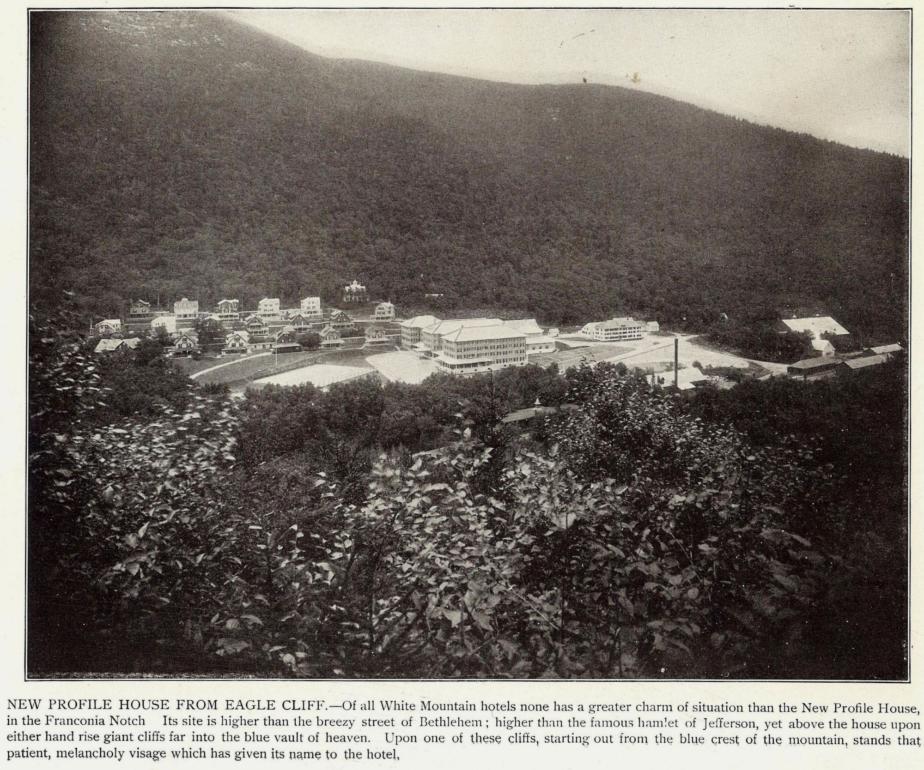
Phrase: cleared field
x=222 y=364
x=575 y=356
x=251 y=366
x=347 y=357
x=402 y=366
x=572 y=343
x=319 y=375
x=657 y=350
x=768 y=367
x=710 y=357
x=191 y=366
x=652 y=352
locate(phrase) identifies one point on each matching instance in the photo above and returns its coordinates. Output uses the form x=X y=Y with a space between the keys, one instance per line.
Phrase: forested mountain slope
x=182 y=154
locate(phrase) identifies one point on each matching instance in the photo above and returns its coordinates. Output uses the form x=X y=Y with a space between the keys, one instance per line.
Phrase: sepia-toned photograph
x=468 y=344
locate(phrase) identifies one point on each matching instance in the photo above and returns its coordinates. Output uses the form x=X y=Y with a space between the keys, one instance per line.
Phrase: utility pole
x=676 y=355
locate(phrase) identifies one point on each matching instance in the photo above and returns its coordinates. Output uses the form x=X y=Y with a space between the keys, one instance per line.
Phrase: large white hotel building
x=614 y=330
x=469 y=345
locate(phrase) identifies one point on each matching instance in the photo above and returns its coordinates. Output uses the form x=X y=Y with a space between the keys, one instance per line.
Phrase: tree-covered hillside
x=183 y=154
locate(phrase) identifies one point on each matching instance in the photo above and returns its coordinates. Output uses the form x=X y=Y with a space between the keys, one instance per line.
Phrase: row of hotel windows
x=628 y=333
x=470 y=354
x=488 y=359
x=483 y=347
x=503 y=345
x=479 y=365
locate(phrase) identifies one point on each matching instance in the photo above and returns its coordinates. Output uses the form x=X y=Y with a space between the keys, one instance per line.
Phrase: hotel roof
x=525 y=325
x=419 y=321
x=474 y=333
x=618 y=323
x=453 y=324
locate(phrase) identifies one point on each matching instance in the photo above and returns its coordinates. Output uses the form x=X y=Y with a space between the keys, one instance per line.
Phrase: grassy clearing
x=573 y=357
x=251 y=366
x=191 y=366
x=248 y=369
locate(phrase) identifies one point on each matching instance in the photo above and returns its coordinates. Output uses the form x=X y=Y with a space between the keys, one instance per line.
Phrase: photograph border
x=112 y=678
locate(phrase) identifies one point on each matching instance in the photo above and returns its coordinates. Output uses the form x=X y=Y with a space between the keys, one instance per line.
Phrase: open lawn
x=358 y=357
x=771 y=367
x=654 y=352
x=402 y=366
x=242 y=372
x=319 y=375
x=249 y=367
x=657 y=354
x=575 y=356
x=191 y=366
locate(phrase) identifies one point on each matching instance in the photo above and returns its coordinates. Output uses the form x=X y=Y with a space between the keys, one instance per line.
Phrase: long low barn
x=813 y=367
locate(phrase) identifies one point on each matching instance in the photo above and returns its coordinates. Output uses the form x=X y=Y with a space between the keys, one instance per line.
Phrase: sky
x=839 y=75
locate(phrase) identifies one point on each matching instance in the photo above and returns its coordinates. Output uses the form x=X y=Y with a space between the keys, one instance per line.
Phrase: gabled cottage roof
x=107 y=346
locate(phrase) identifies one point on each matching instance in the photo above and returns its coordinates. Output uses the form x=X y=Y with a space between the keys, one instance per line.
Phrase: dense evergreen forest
x=182 y=154
x=372 y=530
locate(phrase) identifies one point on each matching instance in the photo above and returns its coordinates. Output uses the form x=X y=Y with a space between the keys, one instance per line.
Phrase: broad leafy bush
x=683 y=561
